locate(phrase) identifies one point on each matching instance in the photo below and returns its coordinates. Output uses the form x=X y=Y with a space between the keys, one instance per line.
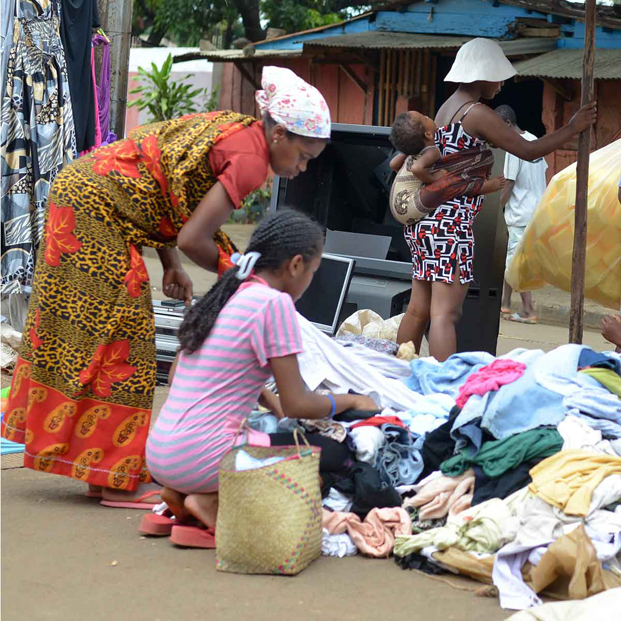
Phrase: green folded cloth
x=498 y=456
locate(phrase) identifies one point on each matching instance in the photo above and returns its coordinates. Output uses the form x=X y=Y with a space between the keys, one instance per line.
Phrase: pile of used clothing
x=505 y=469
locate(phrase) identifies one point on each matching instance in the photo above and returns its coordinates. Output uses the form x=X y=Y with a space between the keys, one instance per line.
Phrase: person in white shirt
x=526 y=183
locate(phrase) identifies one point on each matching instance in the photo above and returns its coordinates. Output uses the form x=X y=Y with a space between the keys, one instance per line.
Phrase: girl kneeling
x=238 y=335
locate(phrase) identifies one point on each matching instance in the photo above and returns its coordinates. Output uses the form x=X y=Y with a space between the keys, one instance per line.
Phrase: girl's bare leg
x=175 y=501
x=204 y=507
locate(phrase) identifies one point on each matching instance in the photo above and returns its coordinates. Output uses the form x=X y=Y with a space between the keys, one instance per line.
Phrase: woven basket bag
x=269 y=519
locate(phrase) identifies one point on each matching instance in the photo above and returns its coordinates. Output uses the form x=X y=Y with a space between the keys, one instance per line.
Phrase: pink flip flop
x=90 y=494
x=157 y=525
x=193 y=537
x=137 y=503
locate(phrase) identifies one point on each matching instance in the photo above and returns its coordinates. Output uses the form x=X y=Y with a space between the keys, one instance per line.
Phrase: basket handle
x=296 y=436
x=239 y=430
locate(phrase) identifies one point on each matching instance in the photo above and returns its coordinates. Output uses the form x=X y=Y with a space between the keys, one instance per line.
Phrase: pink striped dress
x=217 y=386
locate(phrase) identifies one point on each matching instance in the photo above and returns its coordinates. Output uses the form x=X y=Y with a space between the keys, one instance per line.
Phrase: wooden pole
x=578 y=259
x=116 y=19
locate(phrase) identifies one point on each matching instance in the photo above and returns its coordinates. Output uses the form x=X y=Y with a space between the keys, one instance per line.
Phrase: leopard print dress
x=83 y=385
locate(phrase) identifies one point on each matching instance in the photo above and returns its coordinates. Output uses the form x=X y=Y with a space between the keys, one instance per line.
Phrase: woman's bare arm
x=484 y=123
x=195 y=238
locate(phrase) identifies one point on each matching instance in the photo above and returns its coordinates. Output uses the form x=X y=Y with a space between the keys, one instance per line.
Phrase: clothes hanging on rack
x=7 y=18
x=79 y=17
x=37 y=137
x=103 y=90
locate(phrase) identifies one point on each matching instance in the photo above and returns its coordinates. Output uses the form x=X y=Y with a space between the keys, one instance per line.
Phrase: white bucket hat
x=480 y=59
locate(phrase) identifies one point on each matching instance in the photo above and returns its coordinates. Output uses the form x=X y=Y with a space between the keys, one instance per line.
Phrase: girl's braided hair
x=279 y=237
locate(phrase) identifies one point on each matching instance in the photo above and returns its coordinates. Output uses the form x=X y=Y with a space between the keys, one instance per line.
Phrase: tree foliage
x=186 y=22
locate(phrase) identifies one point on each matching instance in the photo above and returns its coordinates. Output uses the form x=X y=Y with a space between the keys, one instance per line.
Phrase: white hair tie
x=245 y=263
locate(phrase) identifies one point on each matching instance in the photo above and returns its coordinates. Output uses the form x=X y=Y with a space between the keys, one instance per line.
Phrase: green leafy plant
x=162 y=97
x=212 y=99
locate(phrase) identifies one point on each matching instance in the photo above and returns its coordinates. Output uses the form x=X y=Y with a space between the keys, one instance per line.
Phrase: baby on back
x=417 y=165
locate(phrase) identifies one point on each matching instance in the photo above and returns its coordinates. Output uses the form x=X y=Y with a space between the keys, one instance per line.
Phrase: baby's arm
x=419 y=168
x=493 y=185
x=297 y=402
x=397 y=162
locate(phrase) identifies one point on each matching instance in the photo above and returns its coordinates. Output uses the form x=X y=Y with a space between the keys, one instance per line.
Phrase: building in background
x=377 y=65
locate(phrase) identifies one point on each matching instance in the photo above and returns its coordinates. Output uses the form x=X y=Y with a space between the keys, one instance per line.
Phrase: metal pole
x=578 y=258
x=116 y=18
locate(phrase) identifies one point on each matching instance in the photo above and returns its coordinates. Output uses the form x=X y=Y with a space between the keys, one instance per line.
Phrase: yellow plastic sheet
x=544 y=254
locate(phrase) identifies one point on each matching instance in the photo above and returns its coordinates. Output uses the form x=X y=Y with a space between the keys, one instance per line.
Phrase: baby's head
x=412 y=132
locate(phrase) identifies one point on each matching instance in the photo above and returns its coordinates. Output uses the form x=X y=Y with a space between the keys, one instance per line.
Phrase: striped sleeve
x=281 y=333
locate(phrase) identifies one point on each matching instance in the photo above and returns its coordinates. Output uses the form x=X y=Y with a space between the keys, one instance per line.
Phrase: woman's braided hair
x=279 y=237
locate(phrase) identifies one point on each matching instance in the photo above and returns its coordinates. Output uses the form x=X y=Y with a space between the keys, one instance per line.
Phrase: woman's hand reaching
x=176 y=284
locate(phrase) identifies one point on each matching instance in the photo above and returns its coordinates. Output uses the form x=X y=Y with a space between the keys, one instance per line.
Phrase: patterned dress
x=83 y=385
x=37 y=137
x=442 y=244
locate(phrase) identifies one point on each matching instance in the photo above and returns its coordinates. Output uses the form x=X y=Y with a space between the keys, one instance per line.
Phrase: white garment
x=368 y=441
x=577 y=434
x=337 y=501
x=244 y=461
x=340 y=369
x=337 y=545
x=390 y=366
x=595 y=607
x=530 y=184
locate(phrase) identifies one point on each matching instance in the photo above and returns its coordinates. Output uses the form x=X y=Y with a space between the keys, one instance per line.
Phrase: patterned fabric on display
x=37 y=138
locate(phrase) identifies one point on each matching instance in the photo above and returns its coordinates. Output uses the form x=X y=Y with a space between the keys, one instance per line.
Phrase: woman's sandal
x=157 y=525
x=517 y=318
x=193 y=537
x=136 y=503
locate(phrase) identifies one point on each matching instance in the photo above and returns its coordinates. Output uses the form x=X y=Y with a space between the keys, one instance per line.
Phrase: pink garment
x=215 y=388
x=443 y=496
x=300 y=107
x=491 y=377
x=376 y=535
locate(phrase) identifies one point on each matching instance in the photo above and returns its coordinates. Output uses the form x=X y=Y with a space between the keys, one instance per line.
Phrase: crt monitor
x=322 y=302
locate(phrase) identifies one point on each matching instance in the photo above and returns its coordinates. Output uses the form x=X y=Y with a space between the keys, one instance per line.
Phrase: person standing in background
x=526 y=183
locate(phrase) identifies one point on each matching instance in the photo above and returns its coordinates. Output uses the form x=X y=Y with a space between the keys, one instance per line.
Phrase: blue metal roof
x=470 y=18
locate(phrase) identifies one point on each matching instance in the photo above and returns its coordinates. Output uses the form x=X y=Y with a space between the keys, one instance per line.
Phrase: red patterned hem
x=89 y=440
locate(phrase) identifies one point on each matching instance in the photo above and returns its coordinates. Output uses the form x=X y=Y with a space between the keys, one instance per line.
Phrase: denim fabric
x=431 y=377
x=399 y=461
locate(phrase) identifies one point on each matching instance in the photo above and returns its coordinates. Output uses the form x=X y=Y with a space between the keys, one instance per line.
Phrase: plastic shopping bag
x=544 y=253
